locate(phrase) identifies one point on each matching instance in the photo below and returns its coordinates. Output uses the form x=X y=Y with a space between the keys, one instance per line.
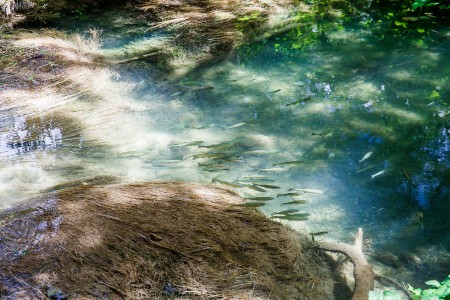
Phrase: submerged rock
x=151 y=241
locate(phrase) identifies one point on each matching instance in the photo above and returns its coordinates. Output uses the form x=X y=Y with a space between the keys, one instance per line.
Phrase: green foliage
x=427 y=3
x=248 y=23
x=437 y=291
x=253 y=16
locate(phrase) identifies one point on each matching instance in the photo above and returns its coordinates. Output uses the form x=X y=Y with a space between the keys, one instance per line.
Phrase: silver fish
x=311 y=191
x=259 y=152
x=255 y=177
x=194 y=143
x=274 y=170
x=268 y=186
x=236 y=125
x=378 y=174
x=366 y=156
x=260 y=198
x=285 y=212
x=291 y=163
x=252 y=204
x=231 y=184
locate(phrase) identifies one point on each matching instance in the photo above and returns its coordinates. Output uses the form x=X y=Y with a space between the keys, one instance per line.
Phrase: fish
x=293 y=217
x=365 y=169
x=176 y=94
x=290 y=163
x=306 y=99
x=318 y=233
x=217 y=146
x=311 y=191
x=256 y=188
x=211 y=165
x=419 y=218
x=410 y=19
x=275 y=91
x=323 y=133
x=252 y=204
x=378 y=174
x=258 y=152
x=255 y=177
x=295 y=202
x=268 y=186
x=255 y=183
x=236 y=125
x=216 y=169
x=231 y=184
x=202 y=88
x=274 y=170
x=289 y=194
x=193 y=143
x=206 y=126
x=285 y=212
x=407 y=175
x=158 y=163
x=260 y=198
x=366 y=156
x=208 y=155
x=200 y=127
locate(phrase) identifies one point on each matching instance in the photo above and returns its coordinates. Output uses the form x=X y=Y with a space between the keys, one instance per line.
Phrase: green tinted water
x=361 y=118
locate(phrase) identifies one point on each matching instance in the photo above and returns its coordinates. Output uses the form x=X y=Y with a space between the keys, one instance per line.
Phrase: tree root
x=363 y=273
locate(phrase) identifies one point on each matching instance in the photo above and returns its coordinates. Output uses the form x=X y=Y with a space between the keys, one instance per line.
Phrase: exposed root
x=363 y=273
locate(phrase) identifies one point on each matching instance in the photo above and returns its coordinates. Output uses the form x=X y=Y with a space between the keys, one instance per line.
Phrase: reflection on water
x=353 y=131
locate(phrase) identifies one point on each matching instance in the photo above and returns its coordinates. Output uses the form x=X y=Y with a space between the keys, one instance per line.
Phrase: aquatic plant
x=437 y=291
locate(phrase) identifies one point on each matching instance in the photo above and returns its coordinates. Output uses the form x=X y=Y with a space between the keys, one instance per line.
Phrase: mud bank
x=151 y=241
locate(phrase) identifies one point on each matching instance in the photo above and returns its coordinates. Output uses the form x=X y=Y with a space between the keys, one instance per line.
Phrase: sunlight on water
x=352 y=127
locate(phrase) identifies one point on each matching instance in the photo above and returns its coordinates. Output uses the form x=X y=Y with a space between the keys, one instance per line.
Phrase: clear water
x=361 y=92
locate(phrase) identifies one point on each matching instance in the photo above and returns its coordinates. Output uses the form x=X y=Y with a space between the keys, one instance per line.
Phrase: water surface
x=361 y=117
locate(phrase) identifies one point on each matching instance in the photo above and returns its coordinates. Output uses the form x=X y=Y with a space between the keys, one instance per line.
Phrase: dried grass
x=147 y=241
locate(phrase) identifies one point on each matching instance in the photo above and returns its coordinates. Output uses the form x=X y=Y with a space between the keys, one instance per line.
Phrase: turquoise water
x=361 y=116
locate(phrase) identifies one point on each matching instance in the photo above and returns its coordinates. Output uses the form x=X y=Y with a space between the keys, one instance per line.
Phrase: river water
x=352 y=120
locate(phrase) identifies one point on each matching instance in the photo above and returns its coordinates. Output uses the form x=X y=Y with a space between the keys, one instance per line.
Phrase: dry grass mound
x=153 y=241
x=204 y=30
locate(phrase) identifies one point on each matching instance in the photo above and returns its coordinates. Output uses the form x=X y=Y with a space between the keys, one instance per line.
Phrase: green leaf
x=434 y=283
x=419 y=3
x=420 y=30
x=403 y=24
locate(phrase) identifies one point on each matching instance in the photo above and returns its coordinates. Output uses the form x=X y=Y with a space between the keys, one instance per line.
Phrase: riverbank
x=154 y=240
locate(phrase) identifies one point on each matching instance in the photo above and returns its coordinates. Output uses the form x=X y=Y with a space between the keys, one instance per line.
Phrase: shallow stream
x=350 y=119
